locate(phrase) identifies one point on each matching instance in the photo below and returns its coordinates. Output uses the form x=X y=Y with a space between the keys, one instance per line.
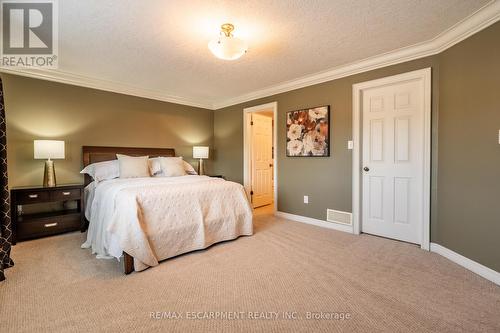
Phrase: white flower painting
x=294 y=147
x=294 y=131
x=308 y=132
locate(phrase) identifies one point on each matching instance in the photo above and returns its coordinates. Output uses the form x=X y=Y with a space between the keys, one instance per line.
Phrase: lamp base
x=49 y=174
x=201 y=169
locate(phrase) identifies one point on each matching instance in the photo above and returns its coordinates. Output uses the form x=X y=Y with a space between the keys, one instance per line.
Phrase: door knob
x=366 y=169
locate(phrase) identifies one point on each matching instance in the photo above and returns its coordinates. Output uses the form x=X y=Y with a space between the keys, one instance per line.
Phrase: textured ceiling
x=162 y=45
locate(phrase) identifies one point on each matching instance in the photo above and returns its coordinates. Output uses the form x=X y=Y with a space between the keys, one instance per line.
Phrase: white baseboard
x=481 y=270
x=316 y=222
x=471 y=265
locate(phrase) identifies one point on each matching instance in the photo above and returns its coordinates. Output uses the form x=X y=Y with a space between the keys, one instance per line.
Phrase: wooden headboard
x=93 y=154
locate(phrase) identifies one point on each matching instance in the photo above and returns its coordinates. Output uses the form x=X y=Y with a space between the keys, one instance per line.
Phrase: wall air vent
x=337 y=216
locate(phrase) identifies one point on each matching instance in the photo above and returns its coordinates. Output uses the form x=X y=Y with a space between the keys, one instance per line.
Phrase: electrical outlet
x=306 y=199
x=350 y=145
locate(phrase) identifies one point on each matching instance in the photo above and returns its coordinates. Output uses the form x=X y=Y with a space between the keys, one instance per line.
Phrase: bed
x=147 y=220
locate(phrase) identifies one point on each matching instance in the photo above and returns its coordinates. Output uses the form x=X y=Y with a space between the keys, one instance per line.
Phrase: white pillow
x=189 y=168
x=172 y=166
x=102 y=170
x=155 y=166
x=133 y=167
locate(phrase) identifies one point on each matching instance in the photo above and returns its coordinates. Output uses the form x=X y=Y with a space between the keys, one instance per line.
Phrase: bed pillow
x=172 y=166
x=154 y=166
x=189 y=168
x=133 y=167
x=102 y=170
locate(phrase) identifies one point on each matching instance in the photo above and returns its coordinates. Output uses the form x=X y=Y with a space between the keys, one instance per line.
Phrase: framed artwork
x=308 y=132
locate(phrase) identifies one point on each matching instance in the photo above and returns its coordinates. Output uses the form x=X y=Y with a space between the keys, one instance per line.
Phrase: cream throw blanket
x=156 y=218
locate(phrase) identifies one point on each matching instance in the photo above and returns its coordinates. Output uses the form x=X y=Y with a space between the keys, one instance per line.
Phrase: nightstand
x=35 y=225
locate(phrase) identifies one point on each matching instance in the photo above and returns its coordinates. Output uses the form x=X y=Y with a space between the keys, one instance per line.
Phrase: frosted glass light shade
x=200 y=152
x=228 y=48
x=48 y=149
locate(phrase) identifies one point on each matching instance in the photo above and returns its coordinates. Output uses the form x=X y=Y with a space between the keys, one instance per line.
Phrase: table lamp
x=49 y=149
x=201 y=153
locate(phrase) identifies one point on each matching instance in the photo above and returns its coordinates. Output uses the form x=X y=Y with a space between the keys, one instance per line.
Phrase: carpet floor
x=287 y=277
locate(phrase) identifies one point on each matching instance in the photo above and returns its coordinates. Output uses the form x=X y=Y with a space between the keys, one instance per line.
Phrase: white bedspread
x=157 y=218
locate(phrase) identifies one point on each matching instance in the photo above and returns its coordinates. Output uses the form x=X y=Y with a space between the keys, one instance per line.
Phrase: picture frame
x=308 y=132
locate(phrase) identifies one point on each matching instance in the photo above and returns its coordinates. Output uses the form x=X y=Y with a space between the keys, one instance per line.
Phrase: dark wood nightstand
x=35 y=225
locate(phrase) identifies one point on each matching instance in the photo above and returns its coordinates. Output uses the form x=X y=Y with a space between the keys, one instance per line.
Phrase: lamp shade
x=228 y=48
x=200 y=152
x=48 y=149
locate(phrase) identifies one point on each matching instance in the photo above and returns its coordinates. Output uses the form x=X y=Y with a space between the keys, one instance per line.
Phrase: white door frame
x=247 y=149
x=424 y=75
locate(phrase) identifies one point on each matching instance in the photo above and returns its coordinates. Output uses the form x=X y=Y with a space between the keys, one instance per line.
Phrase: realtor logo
x=29 y=33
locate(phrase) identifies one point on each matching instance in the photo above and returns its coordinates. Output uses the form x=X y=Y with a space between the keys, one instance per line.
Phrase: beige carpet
x=286 y=267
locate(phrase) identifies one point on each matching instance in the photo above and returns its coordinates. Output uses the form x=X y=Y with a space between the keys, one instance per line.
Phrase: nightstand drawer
x=50 y=226
x=61 y=195
x=30 y=197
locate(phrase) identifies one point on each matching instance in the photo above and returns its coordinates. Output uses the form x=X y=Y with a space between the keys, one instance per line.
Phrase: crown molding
x=479 y=20
x=83 y=81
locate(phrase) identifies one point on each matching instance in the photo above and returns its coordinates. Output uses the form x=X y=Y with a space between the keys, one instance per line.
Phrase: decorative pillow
x=172 y=166
x=133 y=167
x=102 y=170
x=154 y=166
x=189 y=168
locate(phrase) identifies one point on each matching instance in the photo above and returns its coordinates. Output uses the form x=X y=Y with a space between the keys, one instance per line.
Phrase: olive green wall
x=465 y=214
x=326 y=180
x=469 y=153
x=37 y=109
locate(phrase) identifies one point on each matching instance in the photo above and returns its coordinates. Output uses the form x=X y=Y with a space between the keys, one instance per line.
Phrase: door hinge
x=251 y=123
x=251 y=192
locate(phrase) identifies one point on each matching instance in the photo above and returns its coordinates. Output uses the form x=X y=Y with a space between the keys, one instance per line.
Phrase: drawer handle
x=66 y=193
x=33 y=196
x=50 y=225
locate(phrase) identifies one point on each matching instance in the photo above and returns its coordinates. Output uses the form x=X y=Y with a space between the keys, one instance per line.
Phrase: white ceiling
x=161 y=46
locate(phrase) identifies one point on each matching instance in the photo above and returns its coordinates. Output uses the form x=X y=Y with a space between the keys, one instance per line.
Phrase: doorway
x=259 y=167
x=391 y=157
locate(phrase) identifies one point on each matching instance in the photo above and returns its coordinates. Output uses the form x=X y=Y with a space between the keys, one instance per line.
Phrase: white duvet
x=157 y=218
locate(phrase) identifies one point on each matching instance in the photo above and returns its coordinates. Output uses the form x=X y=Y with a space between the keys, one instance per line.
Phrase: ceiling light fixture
x=227 y=47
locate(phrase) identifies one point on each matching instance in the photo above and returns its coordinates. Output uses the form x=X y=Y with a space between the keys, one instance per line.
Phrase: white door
x=262 y=160
x=393 y=160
